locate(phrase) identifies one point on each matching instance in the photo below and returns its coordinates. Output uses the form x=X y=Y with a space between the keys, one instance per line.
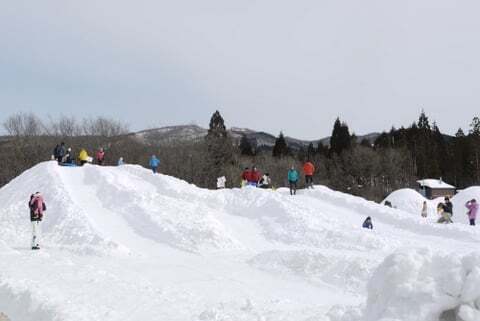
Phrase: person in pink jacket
x=472 y=211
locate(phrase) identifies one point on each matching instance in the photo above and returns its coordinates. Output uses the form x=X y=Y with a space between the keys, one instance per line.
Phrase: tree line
x=396 y=159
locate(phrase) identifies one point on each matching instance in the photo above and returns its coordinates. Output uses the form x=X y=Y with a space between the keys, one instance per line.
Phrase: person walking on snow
x=154 y=163
x=368 y=223
x=100 y=156
x=120 y=161
x=293 y=180
x=37 y=207
x=472 y=211
x=425 y=209
x=308 y=170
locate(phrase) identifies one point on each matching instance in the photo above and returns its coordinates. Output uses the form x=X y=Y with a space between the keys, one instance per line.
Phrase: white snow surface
x=120 y=243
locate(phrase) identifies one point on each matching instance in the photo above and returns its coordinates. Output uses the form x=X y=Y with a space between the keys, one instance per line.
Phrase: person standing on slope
x=120 y=161
x=308 y=170
x=368 y=223
x=472 y=211
x=424 y=209
x=154 y=163
x=100 y=156
x=293 y=180
x=37 y=207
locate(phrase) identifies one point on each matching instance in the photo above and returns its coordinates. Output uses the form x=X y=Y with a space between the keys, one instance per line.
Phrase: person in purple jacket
x=472 y=211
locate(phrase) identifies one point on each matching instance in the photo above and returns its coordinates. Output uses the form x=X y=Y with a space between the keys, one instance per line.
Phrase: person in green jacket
x=292 y=180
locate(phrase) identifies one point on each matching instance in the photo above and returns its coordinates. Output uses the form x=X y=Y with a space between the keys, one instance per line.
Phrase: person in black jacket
x=448 y=206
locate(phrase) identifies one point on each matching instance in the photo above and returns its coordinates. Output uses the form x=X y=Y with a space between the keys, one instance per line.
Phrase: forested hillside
x=394 y=160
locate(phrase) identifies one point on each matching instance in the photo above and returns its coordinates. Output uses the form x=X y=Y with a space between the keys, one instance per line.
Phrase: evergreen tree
x=423 y=123
x=341 y=139
x=474 y=145
x=219 y=150
x=280 y=149
x=310 y=151
x=322 y=149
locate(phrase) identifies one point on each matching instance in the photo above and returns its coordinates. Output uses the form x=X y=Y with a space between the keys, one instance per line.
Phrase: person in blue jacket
x=292 y=180
x=154 y=162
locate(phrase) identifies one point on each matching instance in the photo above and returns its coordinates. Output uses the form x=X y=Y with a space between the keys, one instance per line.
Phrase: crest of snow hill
x=233 y=254
x=193 y=132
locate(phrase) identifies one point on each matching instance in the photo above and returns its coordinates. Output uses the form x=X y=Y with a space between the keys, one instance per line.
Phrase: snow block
x=419 y=285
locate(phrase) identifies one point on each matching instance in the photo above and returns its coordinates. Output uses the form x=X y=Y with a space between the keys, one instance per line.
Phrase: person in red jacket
x=245 y=176
x=100 y=156
x=309 y=170
x=254 y=177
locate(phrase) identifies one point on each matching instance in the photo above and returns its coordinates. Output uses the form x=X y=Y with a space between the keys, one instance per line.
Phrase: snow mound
x=461 y=199
x=420 y=285
x=407 y=200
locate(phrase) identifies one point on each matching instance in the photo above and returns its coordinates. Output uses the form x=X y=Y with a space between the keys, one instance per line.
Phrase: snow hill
x=123 y=244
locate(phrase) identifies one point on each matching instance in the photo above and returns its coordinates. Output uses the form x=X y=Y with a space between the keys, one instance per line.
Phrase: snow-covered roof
x=434 y=183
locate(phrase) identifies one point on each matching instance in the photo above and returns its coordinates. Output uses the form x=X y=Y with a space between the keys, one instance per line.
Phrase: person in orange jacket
x=308 y=170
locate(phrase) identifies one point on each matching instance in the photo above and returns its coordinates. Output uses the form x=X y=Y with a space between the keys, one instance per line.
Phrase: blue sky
x=268 y=65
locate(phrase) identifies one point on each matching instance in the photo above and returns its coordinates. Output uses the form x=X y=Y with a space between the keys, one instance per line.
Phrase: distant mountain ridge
x=184 y=133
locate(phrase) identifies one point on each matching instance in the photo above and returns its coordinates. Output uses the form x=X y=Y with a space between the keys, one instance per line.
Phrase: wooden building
x=434 y=188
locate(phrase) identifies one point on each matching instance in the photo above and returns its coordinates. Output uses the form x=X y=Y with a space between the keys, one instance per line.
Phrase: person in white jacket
x=221 y=181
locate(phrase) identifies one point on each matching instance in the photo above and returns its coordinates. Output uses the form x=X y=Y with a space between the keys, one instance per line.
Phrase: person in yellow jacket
x=83 y=157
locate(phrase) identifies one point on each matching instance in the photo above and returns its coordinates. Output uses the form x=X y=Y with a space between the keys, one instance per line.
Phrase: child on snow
x=368 y=223
x=221 y=181
x=100 y=156
x=266 y=181
x=425 y=209
x=37 y=207
x=472 y=211
x=154 y=163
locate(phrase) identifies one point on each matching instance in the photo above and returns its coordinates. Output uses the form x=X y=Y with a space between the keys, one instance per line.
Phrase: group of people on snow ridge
x=65 y=156
x=253 y=177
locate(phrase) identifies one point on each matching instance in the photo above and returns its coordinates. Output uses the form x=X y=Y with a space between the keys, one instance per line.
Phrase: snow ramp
x=120 y=243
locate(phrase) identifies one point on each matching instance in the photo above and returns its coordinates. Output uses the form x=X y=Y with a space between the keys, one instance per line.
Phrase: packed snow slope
x=120 y=243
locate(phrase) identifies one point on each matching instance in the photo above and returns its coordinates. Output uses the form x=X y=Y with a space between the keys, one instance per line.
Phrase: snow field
x=120 y=243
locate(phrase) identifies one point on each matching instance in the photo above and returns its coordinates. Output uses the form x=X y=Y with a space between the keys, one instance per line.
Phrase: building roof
x=434 y=184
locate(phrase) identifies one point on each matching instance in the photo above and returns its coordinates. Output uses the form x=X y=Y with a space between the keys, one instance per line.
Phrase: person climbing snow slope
x=37 y=208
